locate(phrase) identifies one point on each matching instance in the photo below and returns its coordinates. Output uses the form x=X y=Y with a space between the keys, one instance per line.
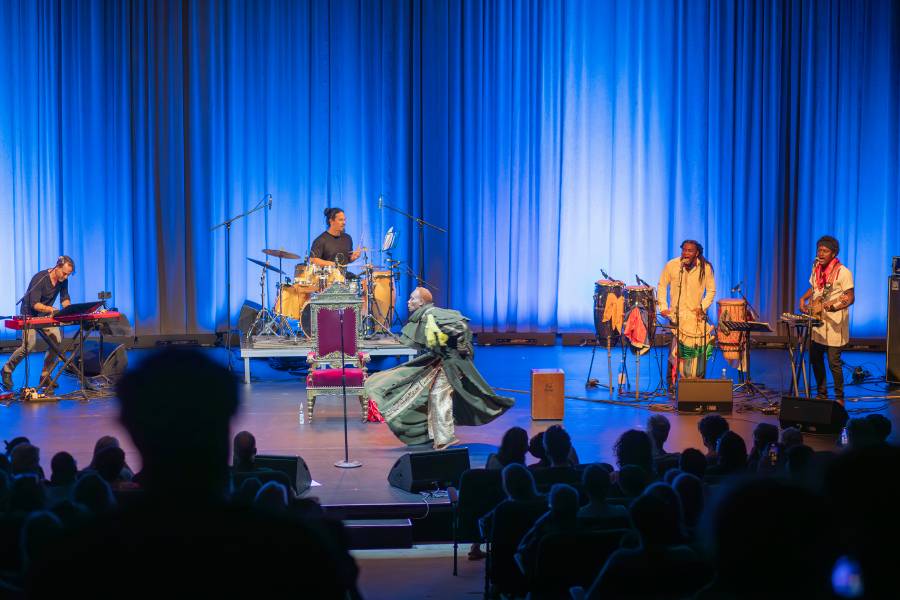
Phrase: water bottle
x=724 y=376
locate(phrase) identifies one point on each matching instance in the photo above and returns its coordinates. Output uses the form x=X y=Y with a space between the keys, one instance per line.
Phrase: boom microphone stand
x=227 y=225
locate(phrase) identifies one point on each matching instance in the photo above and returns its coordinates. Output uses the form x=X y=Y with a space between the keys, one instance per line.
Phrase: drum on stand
x=291 y=299
x=383 y=298
x=305 y=319
x=729 y=342
x=605 y=292
x=641 y=297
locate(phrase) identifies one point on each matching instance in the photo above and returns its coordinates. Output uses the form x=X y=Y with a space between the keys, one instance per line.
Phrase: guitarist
x=828 y=299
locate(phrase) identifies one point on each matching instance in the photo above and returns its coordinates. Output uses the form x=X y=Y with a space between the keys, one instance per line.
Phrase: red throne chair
x=327 y=363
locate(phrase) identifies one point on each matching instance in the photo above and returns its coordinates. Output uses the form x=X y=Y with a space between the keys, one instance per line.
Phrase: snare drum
x=328 y=276
x=642 y=298
x=607 y=291
x=730 y=309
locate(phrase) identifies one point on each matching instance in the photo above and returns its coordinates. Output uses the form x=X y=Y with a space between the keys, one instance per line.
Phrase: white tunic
x=836 y=330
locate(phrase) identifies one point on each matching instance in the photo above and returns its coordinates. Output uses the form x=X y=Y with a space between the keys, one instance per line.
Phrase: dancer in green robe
x=424 y=399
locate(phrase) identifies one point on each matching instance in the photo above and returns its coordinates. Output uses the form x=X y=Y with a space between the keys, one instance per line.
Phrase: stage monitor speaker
x=113 y=364
x=892 y=349
x=249 y=310
x=548 y=394
x=812 y=416
x=415 y=472
x=120 y=327
x=704 y=395
x=292 y=466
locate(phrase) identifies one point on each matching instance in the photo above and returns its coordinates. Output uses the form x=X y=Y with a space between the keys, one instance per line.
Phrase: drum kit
x=374 y=284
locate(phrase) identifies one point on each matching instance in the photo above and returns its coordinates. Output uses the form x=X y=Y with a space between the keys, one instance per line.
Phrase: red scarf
x=825 y=275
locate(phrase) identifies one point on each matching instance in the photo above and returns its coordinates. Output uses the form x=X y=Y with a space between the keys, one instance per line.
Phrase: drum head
x=305 y=320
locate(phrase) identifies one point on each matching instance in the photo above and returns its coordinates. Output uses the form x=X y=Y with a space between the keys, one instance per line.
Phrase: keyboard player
x=38 y=301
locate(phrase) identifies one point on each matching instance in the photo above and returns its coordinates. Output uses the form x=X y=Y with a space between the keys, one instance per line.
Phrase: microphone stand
x=227 y=225
x=422 y=223
x=678 y=330
x=346 y=463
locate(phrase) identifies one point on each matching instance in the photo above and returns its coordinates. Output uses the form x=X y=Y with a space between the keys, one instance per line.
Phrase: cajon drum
x=547 y=394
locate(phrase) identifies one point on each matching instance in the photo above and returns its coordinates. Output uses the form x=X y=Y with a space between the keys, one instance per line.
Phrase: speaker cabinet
x=548 y=394
x=415 y=472
x=292 y=466
x=704 y=395
x=813 y=416
x=106 y=359
x=892 y=350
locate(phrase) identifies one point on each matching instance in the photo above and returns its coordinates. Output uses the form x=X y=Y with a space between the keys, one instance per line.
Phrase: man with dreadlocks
x=691 y=287
x=828 y=298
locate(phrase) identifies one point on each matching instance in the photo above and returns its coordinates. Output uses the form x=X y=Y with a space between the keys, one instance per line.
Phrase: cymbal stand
x=265 y=322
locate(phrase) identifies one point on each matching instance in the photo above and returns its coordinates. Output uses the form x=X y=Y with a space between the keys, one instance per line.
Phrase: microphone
x=380 y=202
x=605 y=274
x=641 y=281
x=269 y=196
x=737 y=288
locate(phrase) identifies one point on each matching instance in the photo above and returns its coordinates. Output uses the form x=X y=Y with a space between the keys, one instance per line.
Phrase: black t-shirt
x=41 y=289
x=327 y=247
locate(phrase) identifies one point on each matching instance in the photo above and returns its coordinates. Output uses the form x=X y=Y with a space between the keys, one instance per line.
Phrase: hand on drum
x=666 y=313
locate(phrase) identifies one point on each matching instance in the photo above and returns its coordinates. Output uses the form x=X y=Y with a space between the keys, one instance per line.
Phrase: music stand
x=746 y=328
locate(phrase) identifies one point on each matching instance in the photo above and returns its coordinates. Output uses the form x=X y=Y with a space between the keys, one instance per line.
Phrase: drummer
x=691 y=287
x=334 y=247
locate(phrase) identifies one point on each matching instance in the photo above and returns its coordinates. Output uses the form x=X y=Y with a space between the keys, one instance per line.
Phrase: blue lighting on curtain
x=551 y=138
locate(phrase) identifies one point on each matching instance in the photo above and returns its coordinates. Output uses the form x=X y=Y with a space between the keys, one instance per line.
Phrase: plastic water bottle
x=724 y=376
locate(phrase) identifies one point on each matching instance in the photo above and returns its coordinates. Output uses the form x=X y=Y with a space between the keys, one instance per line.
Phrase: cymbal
x=267 y=266
x=281 y=254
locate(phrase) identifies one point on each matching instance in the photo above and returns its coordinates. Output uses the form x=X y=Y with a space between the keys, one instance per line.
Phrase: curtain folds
x=551 y=138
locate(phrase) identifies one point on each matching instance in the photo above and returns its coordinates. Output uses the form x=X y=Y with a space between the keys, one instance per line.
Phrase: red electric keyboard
x=19 y=323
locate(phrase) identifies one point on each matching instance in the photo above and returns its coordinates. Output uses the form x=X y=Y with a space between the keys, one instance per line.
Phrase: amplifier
x=704 y=395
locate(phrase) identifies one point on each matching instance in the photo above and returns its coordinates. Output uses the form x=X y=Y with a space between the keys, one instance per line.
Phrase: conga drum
x=607 y=291
x=642 y=298
x=384 y=298
x=730 y=309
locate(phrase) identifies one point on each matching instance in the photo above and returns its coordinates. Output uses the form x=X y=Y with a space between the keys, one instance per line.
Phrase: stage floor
x=271 y=402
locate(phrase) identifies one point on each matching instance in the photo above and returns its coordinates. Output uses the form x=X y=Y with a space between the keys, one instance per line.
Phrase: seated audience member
x=597 y=513
x=561 y=518
x=25 y=459
x=245 y=465
x=694 y=462
x=105 y=442
x=110 y=466
x=518 y=485
x=731 y=457
x=536 y=449
x=558 y=448
x=244 y=495
x=711 y=428
x=63 y=472
x=763 y=435
x=94 y=493
x=792 y=533
x=658 y=428
x=512 y=449
x=26 y=494
x=671 y=474
x=631 y=481
x=662 y=565
x=790 y=437
x=41 y=530
x=690 y=491
x=10 y=445
x=881 y=425
x=4 y=491
x=800 y=463
x=178 y=405
x=272 y=497
x=634 y=447
x=861 y=433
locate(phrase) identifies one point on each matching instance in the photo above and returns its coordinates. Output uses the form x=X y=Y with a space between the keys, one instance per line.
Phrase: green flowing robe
x=402 y=393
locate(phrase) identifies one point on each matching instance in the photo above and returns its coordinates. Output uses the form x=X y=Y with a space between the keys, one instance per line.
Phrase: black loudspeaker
x=892 y=349
x=120 y=327
x=292 y=466
x=704 y=395
x=415 y=472
x=111 y=362
x=813 y=416
x=249 y=310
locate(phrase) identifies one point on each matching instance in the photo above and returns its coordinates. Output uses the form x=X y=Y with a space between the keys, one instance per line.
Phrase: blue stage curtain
x=551 y=138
